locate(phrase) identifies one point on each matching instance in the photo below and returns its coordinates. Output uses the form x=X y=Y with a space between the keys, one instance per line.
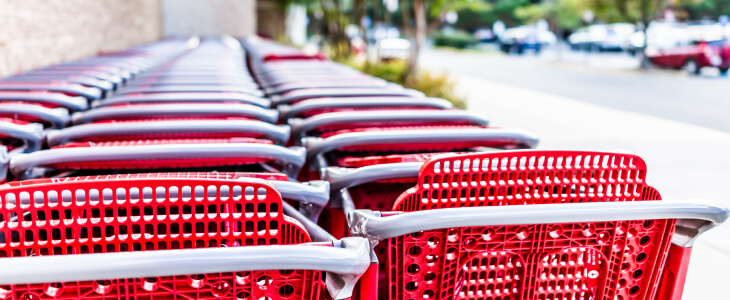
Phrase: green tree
x=711 y=9
x=561 y=14
x=419 y=18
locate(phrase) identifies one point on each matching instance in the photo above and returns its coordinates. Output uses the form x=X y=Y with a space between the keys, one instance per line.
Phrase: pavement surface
x=608 y=79
x=675 y=122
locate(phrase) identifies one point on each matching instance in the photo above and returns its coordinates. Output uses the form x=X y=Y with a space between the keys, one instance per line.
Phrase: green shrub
x=457 y=39
x=436 y=85
x=390 y=71
x=431 y=84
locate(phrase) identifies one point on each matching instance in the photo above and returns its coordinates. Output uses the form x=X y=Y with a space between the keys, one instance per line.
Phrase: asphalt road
x=604 y=79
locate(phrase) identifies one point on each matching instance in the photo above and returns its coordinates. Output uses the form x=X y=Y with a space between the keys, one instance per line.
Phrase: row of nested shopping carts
x=218 y=168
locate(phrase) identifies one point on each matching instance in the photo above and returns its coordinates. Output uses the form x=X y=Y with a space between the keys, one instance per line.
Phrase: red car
x=694 y=57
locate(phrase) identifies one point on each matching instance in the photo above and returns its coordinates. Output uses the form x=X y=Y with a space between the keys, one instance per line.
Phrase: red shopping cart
x=520 y=224
x=162 y=236
x=344 y=148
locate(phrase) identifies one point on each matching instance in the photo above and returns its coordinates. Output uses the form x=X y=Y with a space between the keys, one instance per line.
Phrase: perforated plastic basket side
x=603 y=260
x=151 y=212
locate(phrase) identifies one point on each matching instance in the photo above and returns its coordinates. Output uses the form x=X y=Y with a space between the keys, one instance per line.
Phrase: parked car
x=694 y=56
x=588 y=38
x=602 y=37
x=659 y=34
x=688 y=46
x=485 y=35
x=617 y=37
x=527 y=37
x=578 y=39
x=389 y=45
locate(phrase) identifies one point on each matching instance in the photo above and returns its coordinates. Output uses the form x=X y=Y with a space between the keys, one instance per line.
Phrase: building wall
x=209 y=17
x=37 y=33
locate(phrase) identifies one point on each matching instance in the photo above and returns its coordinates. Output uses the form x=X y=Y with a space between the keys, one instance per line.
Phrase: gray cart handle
x=343 y=178
x=343 y=92
x=319 y=146
x=292 y=111
x=191 y=89
x=31 y=134
x=301 y=127
x=313 y=196
x=346 y=83
x=242 y=83
x=103 y=85
x=36 y=164
x=183 y=97
x=56 y=117
x=69 y=102
x=71 y=88
x=116 y=80
x=347 y=260
x=177 y=109
x=277 y=133
x=5 y=163
x=694 y=217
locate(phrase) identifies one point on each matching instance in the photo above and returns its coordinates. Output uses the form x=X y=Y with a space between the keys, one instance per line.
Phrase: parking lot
x=608 y=79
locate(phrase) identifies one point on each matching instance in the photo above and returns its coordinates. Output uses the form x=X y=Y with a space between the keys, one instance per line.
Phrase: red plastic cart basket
x=168 y=236
x=519 y=225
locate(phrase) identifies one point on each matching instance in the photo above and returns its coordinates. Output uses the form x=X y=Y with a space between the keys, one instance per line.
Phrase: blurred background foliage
x=432 y=84
x=330 y=23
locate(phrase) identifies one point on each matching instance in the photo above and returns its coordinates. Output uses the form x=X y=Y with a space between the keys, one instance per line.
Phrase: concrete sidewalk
x=684 y=161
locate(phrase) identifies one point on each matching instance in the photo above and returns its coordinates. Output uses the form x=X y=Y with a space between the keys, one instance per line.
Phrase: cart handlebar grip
x=300 y=127
x=31 y=134
x=319 y=146
x=694 y=217
x=177 y=109
x=56 y=117
x=348 y=260
x=291 y=111
x=278 y=133
x=183 y=97
x=69 y=102
x=33 y=165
